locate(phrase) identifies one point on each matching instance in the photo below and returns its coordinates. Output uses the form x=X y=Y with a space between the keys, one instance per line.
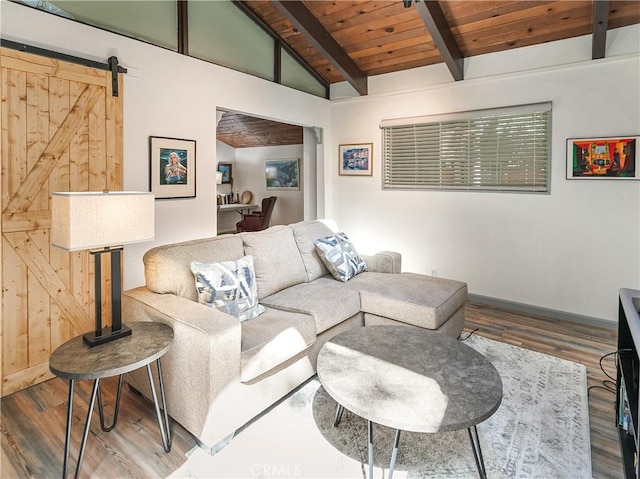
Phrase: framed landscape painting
x=282 y=174
x=172 y=167
x=356 y=159
x=603 y=157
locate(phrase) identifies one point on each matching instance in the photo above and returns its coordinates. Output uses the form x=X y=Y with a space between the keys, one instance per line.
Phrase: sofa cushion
x=326 y=299
x=305 y=233
x=229 y=286
x=276 y=259
x=340 y=256
x=167 y=269
x=416 y=299
x=271 y=339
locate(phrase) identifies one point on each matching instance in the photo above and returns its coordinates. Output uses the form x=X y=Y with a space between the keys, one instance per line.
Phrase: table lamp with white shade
x=102 y=222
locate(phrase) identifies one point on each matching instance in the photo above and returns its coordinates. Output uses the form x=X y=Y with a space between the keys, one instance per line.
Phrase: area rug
x=541 y=430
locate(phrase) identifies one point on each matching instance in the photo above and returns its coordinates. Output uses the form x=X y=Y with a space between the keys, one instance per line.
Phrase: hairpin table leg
x=67 y=440
x=370 y=433
x=165 y=429
x=86 y=428
x=117 y=407
x=338 y=418
x=394 y=454
x=477 y=452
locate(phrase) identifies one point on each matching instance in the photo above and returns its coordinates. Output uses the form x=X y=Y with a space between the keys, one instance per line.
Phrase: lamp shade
x=88 y=220
x=218 y=177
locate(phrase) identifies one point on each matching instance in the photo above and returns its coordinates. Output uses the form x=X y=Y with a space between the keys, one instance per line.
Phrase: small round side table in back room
x=74 y=360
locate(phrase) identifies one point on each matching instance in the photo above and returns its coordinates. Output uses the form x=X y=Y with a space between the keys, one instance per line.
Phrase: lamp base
x=106 y=336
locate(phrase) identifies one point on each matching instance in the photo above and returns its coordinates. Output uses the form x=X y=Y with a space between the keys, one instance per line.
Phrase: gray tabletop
x=75 y=360
x=409 y=378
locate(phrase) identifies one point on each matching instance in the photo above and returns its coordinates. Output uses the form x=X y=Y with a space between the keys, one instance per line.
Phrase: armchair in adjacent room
x=258 y=220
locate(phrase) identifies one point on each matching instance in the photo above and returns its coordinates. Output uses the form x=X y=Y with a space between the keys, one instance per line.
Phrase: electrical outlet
x=434 y=272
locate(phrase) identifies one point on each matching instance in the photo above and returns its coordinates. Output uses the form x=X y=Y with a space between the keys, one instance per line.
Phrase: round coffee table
x=410 y=379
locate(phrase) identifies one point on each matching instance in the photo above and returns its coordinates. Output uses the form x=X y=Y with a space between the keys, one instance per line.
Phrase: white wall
x=249 y=174
x=569 y=250
x=167 y=94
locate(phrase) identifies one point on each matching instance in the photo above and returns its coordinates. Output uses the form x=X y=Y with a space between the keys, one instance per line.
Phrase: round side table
x=74 y=360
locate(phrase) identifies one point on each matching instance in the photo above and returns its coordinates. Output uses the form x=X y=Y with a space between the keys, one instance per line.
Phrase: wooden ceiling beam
x=304 y=20
x=600 y=25
x=438 y=27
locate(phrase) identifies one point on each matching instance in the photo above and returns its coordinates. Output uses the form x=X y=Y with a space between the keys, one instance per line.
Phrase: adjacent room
x=320 y=239
x=246 y=149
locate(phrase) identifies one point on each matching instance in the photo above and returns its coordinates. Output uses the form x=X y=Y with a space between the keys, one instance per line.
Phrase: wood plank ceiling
x=243 y=131
x=350 y=40
x=384 y=36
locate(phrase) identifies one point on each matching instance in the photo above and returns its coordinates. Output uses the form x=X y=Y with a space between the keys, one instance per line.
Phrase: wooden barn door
x=61 y=130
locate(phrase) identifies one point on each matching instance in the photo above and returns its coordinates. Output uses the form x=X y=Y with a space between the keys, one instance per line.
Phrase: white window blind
x=500 y=150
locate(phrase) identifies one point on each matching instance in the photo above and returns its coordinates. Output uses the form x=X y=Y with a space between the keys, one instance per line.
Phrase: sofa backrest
x=167 y=268
x=283 y=256
x=276 y=259
x=305 y=233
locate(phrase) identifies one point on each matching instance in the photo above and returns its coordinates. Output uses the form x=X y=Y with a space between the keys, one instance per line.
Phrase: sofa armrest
x=203 y=361
x=383 y=262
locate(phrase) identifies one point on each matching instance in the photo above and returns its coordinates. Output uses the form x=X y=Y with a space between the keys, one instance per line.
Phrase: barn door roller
x=113 y=63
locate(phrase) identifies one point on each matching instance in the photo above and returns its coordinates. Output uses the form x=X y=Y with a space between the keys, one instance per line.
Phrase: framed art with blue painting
x=282 y=174
x=355 y=159
x=226 y=170
x=172 y=167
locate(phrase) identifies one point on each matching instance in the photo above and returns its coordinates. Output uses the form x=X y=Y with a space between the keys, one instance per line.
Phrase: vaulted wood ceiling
x=351 y=40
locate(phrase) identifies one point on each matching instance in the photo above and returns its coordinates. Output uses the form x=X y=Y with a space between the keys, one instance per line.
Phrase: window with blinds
x=506 y=149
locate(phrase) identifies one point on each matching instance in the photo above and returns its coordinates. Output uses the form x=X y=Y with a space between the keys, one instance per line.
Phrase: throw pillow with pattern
x=229 y=286
x=340 y=257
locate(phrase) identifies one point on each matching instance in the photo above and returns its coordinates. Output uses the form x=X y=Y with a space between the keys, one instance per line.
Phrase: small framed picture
x=172 y=167
x=603 y=157
x=282 y=174
x=225 y=169
x=355 y=160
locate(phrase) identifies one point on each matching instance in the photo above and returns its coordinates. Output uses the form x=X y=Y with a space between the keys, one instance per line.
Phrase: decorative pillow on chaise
x=229 y=286
x=340 y=257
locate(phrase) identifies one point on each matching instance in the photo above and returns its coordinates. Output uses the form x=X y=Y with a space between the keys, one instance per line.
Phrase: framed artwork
x=355 y=160
x=172 y=167
x=603 y=157
x=226 y=169
x=283 y=174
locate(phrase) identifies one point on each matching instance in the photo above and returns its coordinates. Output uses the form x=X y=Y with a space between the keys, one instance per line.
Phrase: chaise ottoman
x=415 y=299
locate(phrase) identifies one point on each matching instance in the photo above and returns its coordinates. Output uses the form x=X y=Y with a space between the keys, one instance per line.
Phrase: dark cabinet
x=627 y=367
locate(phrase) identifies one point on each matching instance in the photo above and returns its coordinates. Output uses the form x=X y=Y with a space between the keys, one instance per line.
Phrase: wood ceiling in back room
x=243 y=131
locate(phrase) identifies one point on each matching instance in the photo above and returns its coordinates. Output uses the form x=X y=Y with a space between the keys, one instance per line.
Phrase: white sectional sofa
x=221 y=372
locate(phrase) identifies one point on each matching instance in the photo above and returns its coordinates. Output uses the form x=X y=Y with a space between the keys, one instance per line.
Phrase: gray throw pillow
x=229 y=286
x=340 y=257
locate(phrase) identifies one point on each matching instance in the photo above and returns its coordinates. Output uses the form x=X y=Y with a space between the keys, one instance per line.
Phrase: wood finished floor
x=33 y=420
